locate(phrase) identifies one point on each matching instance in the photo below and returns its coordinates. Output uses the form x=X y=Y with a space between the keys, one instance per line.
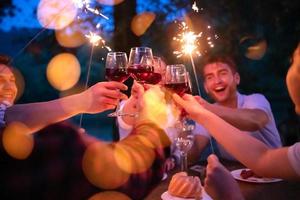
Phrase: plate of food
x=247 y=175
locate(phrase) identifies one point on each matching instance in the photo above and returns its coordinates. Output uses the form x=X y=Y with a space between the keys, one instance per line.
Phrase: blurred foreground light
x=17 y=140
x=109 y=195
x=255 y=48
x=100 y=167
x=19 y=82
x=155 y=106
x=63 y=71
x=110 y=2
x=133 y=157
x=70 y=37
x=56 y=14
x=257 y=51
x=141 y=22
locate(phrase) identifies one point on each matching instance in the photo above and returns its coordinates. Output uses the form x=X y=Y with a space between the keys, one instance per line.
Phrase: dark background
x=239 y=24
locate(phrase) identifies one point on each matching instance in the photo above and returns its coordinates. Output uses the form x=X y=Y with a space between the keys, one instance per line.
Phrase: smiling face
x=8 y=88
x=220 y=82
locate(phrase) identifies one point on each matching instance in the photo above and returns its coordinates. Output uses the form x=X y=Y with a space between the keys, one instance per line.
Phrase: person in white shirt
x=264 y=161
x=250 y=113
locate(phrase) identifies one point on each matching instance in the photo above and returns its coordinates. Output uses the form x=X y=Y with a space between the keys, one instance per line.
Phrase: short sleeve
x=257 y=101
x=294 y=157
x=3 y=106
x=200 y=130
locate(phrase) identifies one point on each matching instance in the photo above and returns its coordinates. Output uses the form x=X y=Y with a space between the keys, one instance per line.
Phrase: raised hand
x=219 y=183
x=102 y=96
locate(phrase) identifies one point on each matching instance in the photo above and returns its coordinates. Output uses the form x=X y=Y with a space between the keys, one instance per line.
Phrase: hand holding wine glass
x=116 y=70
x=177 y=80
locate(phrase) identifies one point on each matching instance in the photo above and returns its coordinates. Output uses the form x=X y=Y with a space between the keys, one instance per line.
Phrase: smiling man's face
x=8 y=88
x=220 y=81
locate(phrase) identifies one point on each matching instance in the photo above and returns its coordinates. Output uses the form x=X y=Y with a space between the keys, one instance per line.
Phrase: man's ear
x=237 y=78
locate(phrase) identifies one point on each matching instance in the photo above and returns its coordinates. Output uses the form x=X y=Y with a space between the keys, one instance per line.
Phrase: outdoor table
x=283 y=190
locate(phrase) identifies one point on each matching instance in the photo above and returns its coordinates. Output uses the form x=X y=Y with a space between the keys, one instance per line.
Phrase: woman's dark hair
x=5 y=60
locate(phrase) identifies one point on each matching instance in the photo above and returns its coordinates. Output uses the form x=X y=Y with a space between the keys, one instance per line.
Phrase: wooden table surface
x=283 y=190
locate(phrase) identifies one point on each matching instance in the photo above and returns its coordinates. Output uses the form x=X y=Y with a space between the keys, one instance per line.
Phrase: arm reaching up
x=260 y=158
x=98 y=98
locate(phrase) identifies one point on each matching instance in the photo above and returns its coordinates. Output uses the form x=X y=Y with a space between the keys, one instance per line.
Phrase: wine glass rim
x=117 y=53
x=176 y=65
x=141 y=48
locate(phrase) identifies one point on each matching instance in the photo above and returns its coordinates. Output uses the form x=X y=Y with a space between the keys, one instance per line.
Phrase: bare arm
x=244 y=119
x=259 y=158
x=100 y=97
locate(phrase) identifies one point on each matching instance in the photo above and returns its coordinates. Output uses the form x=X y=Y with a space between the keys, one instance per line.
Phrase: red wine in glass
x=140 y=73
x=154 y=78
x=179 y=88
x=116 y=74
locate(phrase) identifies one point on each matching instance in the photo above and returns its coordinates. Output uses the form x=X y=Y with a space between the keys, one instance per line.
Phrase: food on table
x=247 y=173
x=185 y=186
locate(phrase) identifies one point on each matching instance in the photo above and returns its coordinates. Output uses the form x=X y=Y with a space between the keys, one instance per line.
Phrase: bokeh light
x=141 y=22
x=132 y=157
x=110 y=195
x=70 y=37
x=257 y=51
x=100 y=167
x=63 y=71
x=155 y=106
x=56 y=14
x=17 y=140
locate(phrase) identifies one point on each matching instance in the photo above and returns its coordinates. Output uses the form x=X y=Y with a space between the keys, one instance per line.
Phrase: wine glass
x=184 y=141
x=140 y=64
x=116 y=70
x=176 y=79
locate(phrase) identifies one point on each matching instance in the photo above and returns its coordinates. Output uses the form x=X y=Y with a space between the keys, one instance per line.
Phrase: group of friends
x=242 y=125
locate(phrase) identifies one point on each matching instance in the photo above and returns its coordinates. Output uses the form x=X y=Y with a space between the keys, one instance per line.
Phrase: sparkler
x=189 y=45
x=95 y=40
x=80 y=4
x=190 y=41
x=195 y=7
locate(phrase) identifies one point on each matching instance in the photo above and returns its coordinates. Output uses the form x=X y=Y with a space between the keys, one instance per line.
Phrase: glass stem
x=117 y=108
x=183 y=162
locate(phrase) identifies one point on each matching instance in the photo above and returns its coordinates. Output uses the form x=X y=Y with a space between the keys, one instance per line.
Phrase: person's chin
x=220 y=97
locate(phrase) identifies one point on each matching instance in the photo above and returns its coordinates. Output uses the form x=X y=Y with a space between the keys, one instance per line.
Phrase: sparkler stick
x=95 y=40
x=82 y=4
x=190 y=41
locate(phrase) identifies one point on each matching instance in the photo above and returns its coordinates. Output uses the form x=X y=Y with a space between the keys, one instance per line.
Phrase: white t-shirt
x=268 y=134
x=294 y=157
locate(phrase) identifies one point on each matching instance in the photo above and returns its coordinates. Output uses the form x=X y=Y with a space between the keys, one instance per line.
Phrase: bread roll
x=185 y=186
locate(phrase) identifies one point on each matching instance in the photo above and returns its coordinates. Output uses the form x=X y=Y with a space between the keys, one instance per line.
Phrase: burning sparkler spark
x=195 y=7
x=85 y=5
x=188 y=40
x=95 y=40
